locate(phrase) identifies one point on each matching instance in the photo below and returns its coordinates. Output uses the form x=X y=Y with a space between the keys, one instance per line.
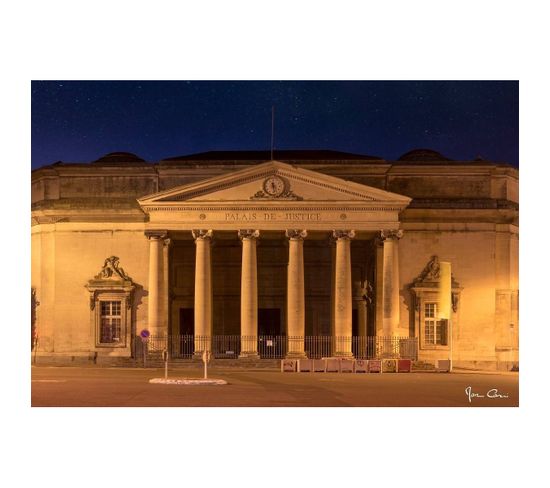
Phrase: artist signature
x=492 y=393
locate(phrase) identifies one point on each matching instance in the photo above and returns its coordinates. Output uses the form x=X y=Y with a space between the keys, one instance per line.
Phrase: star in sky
x=79 y=121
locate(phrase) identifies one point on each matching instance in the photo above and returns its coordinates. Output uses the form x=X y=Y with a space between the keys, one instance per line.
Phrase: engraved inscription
x=272 y=216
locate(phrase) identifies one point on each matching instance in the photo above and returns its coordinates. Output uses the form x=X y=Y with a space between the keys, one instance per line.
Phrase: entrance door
x=269 y=322
x=271 y=340
x=187 y=332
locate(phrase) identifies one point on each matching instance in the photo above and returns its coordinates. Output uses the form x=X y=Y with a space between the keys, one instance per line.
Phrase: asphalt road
x=121 y=387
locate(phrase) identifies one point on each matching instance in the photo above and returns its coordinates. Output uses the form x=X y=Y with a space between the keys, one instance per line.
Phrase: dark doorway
x=269 y=322
x=270 y=329
x=355 y=347
x=187 y=331
x=354 y=322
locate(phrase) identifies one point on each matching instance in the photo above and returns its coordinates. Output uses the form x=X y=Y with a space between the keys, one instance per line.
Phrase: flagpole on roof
x=272 y=129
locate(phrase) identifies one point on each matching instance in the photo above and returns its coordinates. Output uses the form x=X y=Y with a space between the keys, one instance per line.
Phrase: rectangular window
x=435 y=331
x=430 y=319
x=110 y=322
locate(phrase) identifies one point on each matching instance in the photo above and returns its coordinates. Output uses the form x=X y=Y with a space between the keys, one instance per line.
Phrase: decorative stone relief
x=391 y=234
x=430 y=272
x=275 y=188
x=367 y=291
x=343 y=234
x=454 y=301
x=287 y=195
x=428 y=282
x=156 y=234
x=111 y=269
x=248 y=234
x=202 y=234
x=296 y=234
x=112 y=278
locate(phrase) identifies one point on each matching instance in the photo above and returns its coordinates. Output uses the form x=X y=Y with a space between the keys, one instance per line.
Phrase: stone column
x=249 y=294
x=362 y=317
x=343 y=293
x=203 y=291
x=390 y=279
x=379 y=287
x=153 y=299
x=332 y=244
x=166 y=285
x=295 y=294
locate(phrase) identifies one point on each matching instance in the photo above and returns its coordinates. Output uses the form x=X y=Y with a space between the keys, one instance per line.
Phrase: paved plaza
x=130 y=387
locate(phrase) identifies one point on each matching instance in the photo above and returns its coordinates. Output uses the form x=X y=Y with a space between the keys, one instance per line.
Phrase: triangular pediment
x=273 y=182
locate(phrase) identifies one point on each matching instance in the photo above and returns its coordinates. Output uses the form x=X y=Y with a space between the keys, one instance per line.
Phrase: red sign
x=404 y=366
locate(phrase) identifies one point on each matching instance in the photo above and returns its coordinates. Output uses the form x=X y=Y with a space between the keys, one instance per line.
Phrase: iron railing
x=277 y=346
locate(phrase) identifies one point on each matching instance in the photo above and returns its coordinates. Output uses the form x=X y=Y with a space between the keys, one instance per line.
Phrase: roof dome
x=119 y=157
x=423 y=155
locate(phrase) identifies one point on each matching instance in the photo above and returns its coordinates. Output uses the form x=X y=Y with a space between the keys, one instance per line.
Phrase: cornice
x=463 y=203
x=83 y=218
x=240 y=207
x=455 y=169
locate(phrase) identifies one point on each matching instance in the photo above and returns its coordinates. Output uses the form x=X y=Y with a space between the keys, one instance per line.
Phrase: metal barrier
x=272 y=347
x=276 y=346
x=317 y=347
x=226 y=346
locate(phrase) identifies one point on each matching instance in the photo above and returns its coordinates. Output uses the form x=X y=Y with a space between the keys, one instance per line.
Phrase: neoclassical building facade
x=311 y=253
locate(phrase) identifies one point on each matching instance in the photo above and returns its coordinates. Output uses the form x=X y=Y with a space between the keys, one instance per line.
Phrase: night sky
x=79 y=121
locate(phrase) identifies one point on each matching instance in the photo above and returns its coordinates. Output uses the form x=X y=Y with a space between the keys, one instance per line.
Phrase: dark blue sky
x=79 y=121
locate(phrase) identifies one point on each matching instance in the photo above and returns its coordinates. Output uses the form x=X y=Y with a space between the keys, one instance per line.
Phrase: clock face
x=274 y=186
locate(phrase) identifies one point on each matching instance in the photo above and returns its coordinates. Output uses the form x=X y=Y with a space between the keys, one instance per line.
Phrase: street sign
x=206 y=359
x=145 y=334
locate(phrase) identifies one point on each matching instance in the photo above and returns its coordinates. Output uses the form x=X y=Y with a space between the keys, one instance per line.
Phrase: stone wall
x=64 y=259
x=466 y=227
x=469 y=180
x=480 y=264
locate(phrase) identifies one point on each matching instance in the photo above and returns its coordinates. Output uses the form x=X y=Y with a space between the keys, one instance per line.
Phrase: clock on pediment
x=274 y=186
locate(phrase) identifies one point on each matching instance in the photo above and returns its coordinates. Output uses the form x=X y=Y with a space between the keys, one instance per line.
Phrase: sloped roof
x=279 y=155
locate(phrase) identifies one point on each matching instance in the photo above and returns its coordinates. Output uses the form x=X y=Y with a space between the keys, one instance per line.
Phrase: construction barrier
x=347 y=365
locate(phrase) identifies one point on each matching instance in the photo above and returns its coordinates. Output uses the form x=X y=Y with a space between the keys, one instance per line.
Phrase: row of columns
x=342 y=289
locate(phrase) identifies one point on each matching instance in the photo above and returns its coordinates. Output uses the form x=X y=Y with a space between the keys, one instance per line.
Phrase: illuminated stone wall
x=463 y=213
x=472 y=257
x=64 y=259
